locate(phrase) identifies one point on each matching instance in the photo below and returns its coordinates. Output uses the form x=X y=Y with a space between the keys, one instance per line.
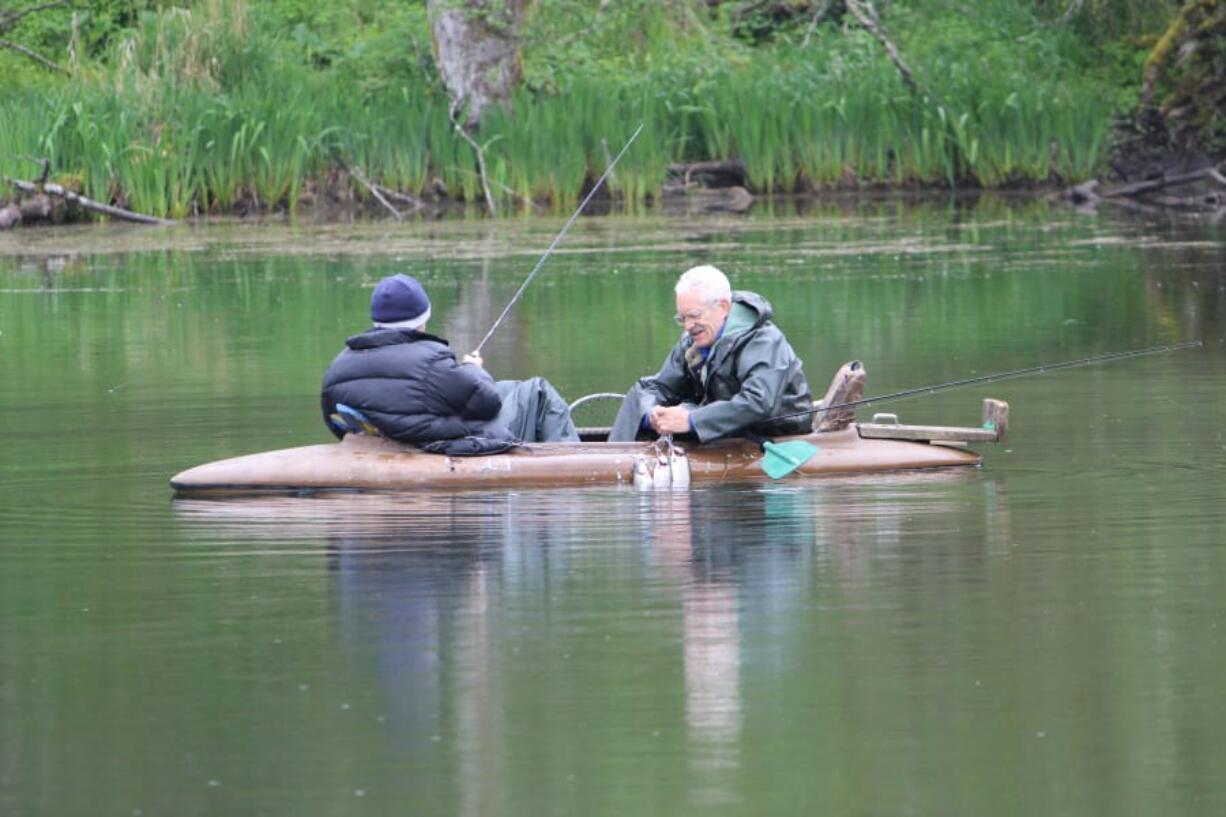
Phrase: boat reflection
x=437 y=594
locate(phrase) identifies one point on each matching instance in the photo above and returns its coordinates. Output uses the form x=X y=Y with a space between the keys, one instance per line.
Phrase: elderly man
x=407 y=384
x=730 y=374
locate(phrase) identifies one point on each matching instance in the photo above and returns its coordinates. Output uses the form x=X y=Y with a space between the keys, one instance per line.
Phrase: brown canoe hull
x=374 y=464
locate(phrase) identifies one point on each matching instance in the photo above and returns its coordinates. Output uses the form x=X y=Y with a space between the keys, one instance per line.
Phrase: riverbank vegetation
x=218 y=106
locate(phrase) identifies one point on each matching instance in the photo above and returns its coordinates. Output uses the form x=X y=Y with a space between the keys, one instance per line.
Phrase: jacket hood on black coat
x=379 y=337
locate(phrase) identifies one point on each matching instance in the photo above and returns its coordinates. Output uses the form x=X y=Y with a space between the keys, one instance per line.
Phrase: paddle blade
x=781 y=459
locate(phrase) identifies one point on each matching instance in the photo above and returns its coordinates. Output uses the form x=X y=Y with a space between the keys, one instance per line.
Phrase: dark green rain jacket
x=750 y=375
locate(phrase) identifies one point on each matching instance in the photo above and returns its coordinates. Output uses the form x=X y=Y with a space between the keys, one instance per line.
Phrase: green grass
x=187 y=121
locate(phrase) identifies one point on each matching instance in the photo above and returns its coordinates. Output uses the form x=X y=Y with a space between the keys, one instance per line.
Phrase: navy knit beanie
x=400 y=302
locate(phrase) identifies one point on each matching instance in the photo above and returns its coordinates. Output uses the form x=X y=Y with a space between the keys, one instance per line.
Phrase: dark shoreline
x=341 y=203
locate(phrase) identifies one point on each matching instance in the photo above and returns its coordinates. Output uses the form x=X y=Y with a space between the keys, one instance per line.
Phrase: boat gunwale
x=726 y=461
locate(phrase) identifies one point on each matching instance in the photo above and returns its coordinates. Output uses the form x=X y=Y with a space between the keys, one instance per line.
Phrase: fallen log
x=1149 y=185
x=1212 y=200
x=1132 y=193
x=10 y=216
x=39 y=192
x=730 y=173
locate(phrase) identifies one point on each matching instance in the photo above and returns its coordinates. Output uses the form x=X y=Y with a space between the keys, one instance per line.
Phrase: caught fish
x=679 y=467
x=642 y=476
x=661 y=477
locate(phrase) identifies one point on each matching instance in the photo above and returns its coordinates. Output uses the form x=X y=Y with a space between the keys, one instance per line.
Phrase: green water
x=1040 y=636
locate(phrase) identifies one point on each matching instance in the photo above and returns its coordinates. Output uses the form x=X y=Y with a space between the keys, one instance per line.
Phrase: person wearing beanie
x=408 y=385
x=731 y=372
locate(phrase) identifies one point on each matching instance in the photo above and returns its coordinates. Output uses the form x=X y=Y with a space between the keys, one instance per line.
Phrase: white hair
x=707 y=281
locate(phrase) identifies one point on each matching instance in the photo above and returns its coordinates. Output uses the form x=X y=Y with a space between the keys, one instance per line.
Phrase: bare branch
x=403 y=198
x=818 y=14
x=34 y=55
x=529 y=202
x=10 y=19
x=866 y=15
x=357 y=173
x=84 y=202
x=1149 y=185
x=1073 y=9
x=480 y=151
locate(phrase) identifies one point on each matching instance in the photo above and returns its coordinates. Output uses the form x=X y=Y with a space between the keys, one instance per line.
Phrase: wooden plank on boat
x=995 y=424
x=897 y=431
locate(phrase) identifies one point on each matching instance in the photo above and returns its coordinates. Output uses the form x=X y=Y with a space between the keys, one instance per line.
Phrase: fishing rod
x=992 y=378
x=565 y=227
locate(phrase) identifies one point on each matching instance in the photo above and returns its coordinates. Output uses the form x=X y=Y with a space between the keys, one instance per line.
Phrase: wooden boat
x=374 y=463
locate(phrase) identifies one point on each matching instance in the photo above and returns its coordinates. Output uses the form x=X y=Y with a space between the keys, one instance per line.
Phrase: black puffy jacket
x=409 y=385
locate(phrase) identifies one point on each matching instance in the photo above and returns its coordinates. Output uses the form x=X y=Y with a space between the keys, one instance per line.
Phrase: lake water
x=1044 y=635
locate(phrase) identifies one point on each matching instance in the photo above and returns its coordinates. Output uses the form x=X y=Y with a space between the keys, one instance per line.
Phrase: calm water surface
x=1044 y=635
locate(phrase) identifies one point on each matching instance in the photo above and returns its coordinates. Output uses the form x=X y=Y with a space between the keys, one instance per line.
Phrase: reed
x=199 y=112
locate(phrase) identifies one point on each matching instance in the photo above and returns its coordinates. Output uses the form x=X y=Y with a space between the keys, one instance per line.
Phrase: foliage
x=1188 y=63
x=216 y=104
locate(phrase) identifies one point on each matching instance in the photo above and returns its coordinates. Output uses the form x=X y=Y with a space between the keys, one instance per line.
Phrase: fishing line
x=992 y=378
x=565 y=227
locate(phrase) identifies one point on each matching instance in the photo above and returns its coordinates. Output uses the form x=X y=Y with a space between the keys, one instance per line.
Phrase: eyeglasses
x=682 y=318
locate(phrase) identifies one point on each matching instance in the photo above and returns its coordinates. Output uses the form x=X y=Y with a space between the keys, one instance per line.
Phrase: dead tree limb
x=480 y=151
x=1213 y=200
x=85 y=203
x=1149 y=185
x=403 y=198
x=8 y=20
x=724 y=173
x=356 y=173
x=10 y=216
x=1069 y=13
x=866 y=15
x=1084 y=192
x=34 y=55
x=529 y=202
x=820 y=12
x=1132 y=195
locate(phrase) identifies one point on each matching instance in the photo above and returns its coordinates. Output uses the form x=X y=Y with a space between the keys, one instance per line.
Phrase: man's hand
x=670 y=419
x=474 y=358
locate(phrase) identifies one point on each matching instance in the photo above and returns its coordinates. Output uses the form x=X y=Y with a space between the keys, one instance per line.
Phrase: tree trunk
x=477 y=50
x=1188 y=66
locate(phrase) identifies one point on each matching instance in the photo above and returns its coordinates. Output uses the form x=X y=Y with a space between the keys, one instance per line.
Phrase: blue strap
x=349 y=420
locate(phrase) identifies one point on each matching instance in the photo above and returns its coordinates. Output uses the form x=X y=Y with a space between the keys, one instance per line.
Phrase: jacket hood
x=749 y=310
x=377 y=337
